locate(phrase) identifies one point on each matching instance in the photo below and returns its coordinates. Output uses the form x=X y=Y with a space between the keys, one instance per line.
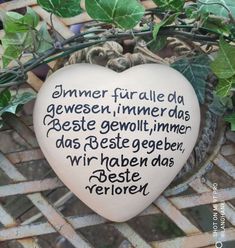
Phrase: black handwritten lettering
x=84 y=160
x=83 y=125
x=61 y=92
x=116 y=137
x=117 y=142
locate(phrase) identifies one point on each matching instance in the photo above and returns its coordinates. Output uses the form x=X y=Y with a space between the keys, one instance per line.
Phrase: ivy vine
x=209 y=25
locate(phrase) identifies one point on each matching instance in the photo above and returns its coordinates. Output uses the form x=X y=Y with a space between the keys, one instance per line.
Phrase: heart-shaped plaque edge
x=119 y=217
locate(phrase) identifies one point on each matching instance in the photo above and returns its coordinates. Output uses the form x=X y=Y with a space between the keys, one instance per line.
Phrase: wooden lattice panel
x=172 y=207
x=46 y=213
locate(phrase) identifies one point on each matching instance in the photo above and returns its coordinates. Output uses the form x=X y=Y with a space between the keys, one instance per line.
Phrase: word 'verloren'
x=126 y=178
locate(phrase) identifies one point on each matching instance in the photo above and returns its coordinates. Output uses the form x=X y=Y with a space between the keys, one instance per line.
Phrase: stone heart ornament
x=117 y=140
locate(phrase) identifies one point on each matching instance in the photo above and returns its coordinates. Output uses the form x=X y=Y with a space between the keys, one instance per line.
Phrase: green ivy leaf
x=212 y=6
x=12 y=22
x=21 y=41
x=5 y=97
x=124 y=14
x=231 y=120
x=45 y=42
x=13 y=39
x=13 y=44
x=196 y=70
x=191 y=11
x=31 y=17
x=16 y=43
x=219 y=104
x=224 y=86
x=10 y=53
x=216 y=24
x=62 y=8
x=32 y=41
x=158 y=44
x=156 y=29
x=224 y=64
x=169 y=20
x=15 y=22
x=17 y=101
x=170 y=5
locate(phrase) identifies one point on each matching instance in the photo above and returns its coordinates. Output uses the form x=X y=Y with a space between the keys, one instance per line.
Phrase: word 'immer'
x=61 y=92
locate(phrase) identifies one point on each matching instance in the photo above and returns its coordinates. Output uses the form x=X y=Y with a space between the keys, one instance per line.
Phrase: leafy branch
x=80 y=41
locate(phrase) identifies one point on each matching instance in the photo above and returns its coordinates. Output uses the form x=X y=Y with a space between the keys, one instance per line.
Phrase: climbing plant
x=207 y=26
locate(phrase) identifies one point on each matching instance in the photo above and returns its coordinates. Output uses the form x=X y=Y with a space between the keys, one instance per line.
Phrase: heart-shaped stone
x=117 y=140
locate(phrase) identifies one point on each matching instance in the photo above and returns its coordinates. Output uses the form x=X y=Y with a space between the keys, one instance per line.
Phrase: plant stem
x=93 y=37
